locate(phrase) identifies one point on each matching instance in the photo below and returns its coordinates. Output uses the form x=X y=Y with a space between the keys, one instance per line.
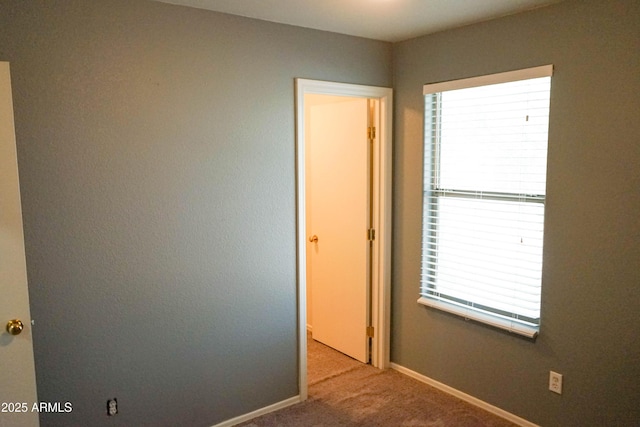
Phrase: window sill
x=488 y=319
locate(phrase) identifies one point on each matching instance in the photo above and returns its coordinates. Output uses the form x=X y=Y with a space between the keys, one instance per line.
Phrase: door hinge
x=371 y=234
x=370 y=331
x=371 y=132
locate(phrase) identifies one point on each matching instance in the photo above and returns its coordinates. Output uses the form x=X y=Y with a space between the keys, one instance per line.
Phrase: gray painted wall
x=156 y=154
x=157 y=166
x=591 y=283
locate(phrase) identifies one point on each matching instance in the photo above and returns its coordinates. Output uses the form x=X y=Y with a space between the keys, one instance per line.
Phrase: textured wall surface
x=157 y=165
x=591 y=292
x=156 y=155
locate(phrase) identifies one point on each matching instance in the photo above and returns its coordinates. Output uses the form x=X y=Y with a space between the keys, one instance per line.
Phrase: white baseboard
x=259 y=412
x=464 y=396
x=406 y=371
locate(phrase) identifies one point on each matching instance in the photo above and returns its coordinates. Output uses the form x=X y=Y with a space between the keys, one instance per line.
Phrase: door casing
x=381 y=216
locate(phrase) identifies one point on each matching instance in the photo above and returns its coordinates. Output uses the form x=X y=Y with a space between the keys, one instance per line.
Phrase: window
x=484 y=191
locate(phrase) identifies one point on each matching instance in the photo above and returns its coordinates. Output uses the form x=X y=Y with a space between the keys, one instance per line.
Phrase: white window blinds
x=484 y=192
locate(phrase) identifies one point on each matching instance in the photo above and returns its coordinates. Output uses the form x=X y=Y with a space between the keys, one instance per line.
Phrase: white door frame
x=381 y=259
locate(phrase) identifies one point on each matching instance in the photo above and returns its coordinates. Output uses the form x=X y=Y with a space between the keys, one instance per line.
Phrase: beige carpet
x=345 y=392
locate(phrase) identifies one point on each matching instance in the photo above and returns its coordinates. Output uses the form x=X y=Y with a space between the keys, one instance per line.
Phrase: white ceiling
x=388 y=20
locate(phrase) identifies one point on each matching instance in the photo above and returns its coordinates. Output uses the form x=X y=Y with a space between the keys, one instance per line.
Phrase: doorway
x=379 y=102
x=338 y=205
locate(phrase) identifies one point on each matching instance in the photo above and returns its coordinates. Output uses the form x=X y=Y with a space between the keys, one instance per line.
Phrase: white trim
x=464 y=396
x=258 y=413
x=381 y=293
x=509 y=76
x=468 y=312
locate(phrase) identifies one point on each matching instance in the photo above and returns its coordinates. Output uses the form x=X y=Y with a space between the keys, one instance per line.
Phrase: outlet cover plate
x=555 y=382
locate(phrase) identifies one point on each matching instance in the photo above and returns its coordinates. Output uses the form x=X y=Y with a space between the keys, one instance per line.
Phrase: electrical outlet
x=555 y=382
x=112 y=407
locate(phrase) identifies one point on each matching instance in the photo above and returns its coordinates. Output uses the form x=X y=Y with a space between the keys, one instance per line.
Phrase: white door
x=17 y=375
x=338 y=215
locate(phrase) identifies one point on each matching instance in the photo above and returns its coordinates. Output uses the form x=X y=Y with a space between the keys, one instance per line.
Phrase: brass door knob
x=15 y=326
x=313 y=239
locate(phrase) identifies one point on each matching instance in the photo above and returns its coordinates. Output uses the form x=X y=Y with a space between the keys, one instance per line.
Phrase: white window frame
x=468 y=309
